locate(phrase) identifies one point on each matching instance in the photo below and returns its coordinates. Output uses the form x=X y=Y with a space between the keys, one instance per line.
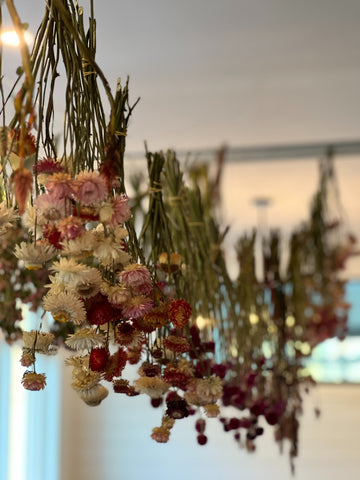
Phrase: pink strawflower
x=160 y=434
x=137 y=306
x=49 y=207
x=135 y=275
x=61 y=185
x=144 y=289
x=34 y=381
x=91 y=188
x=71 y=228
x=121 y=210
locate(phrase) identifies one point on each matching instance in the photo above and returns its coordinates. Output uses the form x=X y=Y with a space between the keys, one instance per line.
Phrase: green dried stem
x=155 y=233
x=63 y=48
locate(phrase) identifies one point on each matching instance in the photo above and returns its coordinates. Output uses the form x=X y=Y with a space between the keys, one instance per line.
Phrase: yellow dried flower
x=152 y=386
x=212 y=410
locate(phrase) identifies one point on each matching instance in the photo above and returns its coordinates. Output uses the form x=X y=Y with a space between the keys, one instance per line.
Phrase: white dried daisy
x=209 y=389
x=89 y=283
x=212 y=410
x=8 y=218
x=185 y=366
x=34 y=255
x=78 y=361
x=65 y=307
x=85 y=285
x=105 y=287
x=155 y=387
x=194 y=399
x=85 y=339
x=120 y=233
x=106 y=211
x=41 y=341
x=110 y=252
x=80 y=247
x=85 y=379
x=29 y=219
x=69 y=271
x=55 y=287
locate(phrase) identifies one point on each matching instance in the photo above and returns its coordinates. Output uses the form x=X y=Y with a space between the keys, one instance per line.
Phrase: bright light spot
x=290 y=321
x=254 y=319
x=202 y=322
x=234 y=351
x=10 y=38
x=305 y=349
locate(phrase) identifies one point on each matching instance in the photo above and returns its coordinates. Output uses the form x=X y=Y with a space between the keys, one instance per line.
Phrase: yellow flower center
x=32 y=266
x=61 y=316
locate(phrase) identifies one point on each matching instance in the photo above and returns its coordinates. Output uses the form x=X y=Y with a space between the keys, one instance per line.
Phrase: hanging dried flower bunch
x=114 y=297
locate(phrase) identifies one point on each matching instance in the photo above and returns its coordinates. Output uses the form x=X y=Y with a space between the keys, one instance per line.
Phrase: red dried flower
x=98 y=359
x=156 y=402
x=124 y=333
x=52 y=234
x=99 y=311
x=177 y=409
x=134 y=355
x=142 y=325
x=157 y=317
x=109 y=167
x=176 y=344
x=47 y=166
x=121 y=386
x=149 y=370
x=195 y=335
x=175 y=376
x=179 y=313
x=115 y=365
x=157 y=353
x=200 y=425
x=202 y=439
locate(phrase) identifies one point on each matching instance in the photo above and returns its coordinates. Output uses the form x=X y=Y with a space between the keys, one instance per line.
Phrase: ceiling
x=244 y=72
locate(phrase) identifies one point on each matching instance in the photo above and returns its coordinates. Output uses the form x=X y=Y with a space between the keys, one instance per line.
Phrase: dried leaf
x=22 y=180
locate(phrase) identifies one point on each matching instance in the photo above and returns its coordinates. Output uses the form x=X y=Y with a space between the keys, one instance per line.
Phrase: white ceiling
x=236 y=71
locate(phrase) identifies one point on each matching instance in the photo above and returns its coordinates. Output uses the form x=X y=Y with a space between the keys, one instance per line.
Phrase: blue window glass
x=335 y=361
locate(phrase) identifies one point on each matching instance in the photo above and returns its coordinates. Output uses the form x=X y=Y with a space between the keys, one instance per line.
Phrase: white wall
x=112 y=442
